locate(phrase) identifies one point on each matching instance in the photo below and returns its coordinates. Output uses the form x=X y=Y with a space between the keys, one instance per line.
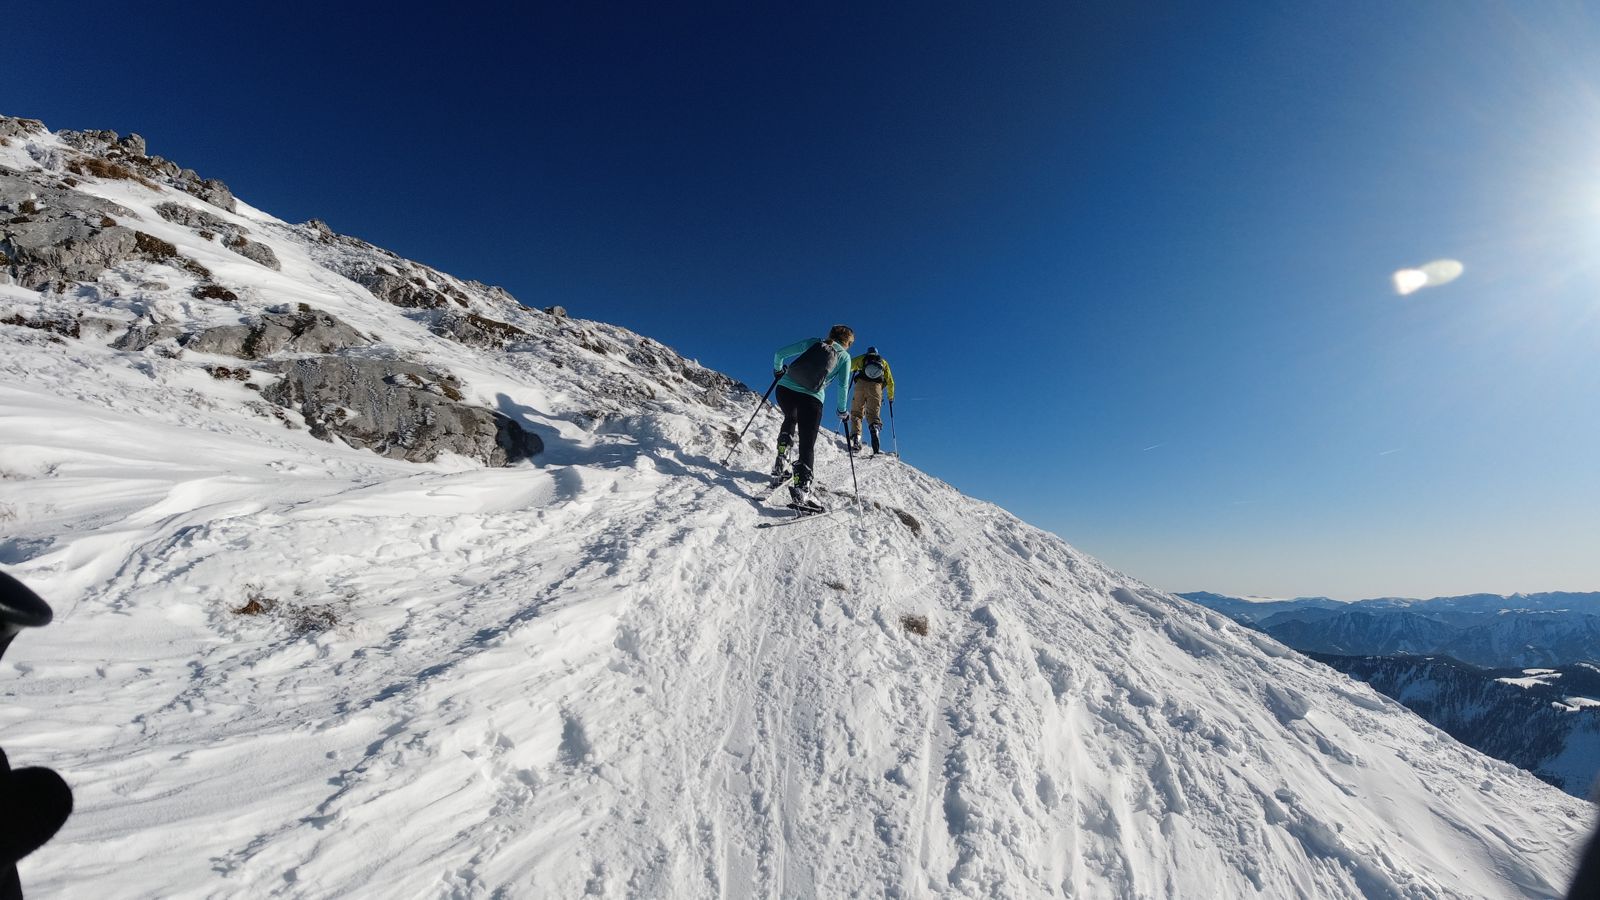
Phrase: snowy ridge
x=591 y=675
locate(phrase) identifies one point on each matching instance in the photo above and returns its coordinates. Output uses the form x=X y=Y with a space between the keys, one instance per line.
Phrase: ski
x=800 y=515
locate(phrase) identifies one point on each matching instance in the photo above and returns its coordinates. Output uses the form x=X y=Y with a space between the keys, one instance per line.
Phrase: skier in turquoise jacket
x=802 y=390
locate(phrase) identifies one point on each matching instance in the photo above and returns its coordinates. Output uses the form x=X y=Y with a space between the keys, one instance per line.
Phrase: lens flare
x=1440 y=271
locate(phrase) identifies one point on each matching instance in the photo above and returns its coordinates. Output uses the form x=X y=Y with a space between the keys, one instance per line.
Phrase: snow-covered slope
x=1544 y=720
x=282 y=666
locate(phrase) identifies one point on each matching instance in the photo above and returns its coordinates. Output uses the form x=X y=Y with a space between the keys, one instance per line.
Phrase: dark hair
x=839 y=334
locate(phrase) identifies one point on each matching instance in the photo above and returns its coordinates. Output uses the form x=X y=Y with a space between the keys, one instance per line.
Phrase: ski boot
x=780 y=466
x=800 y=498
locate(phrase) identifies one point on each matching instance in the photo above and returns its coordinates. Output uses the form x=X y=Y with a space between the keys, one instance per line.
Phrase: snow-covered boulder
x=398 y=409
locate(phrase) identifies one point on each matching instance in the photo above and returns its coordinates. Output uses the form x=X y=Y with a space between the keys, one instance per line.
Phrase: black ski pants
x=804 y=412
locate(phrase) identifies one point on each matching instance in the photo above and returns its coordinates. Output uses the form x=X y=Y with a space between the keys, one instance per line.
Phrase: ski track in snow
x=592 y=676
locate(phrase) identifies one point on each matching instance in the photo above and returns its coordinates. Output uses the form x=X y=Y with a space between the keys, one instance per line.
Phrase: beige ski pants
x=866 y=401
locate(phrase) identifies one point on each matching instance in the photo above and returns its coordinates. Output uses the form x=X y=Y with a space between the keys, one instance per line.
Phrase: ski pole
x=850 y=449
x=753 y=414
x=892 y=433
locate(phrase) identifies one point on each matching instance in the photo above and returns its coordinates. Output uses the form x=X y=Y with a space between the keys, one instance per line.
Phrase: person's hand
x=844 y=417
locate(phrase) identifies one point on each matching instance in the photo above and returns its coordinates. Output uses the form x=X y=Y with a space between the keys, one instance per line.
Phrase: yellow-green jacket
x=858 y=372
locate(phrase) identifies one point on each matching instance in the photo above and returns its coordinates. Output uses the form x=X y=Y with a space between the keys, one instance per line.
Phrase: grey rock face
x=253 y=251
x=307 y=331
x=139 y=337
x=56 y=234
x=13 y=127
x=210 y=190
x=163 y=167
x=478 y=331
x=95 y=141
x=407 y=293
x=198 y=219
x=400 y=410
x=129 y=152
x=233 y=235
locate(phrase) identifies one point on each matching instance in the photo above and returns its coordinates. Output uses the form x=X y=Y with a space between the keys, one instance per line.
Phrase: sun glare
x=1433 y=274
x=1409 y=280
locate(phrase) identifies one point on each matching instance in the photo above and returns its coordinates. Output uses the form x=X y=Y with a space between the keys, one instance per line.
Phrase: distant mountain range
x=1514 y=677
x=1489 y=630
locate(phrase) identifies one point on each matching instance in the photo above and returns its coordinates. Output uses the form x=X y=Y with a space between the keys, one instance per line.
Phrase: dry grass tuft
x=301 y=618
x=917 y=625
x=153 y=246
x=215 y=292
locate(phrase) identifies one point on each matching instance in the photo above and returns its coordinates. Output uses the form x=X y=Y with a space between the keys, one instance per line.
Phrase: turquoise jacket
x=840 y=373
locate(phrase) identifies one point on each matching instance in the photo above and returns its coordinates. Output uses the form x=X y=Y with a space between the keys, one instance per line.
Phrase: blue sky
x=1131 y=261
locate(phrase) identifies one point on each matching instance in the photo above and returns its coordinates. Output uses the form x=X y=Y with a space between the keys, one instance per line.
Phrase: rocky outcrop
x=52 y=234
x=20 y=128
x=233 y=236
x=400 y=290
x=143 y=335
x=112 y=156
x=253 y=251
x=398 y=409
x=303 y=331
x=198 y=219
x=478 y=331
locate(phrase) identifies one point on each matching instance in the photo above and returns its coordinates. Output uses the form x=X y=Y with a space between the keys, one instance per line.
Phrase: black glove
x=33 y=802
x=36 y=802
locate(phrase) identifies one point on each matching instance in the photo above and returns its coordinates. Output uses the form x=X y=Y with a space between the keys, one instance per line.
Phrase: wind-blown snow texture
x=591 y=674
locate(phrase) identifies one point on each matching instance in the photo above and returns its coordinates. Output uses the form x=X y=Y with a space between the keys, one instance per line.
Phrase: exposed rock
x=407 y=293
x=14 y=127
x=63 y=237
x=98 y=141
x=113 y=156
x=559 y=312
x=183 y=214
x=477 y=331
x=306 y=331
x=400 y=410
x=163 y=167
x=254 y=251
x=65 y=326
x=320 y=227
x=100 y=327
x=141 y=336
x=210 y=190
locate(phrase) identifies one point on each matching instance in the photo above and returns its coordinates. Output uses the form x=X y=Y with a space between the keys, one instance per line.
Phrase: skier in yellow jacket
x=870 y=381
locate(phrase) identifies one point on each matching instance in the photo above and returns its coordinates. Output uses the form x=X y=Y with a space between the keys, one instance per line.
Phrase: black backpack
x=812 y=368
x=873 y=369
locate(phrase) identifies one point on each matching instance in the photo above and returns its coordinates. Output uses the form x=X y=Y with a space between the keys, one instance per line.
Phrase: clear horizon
x=1134 y=266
